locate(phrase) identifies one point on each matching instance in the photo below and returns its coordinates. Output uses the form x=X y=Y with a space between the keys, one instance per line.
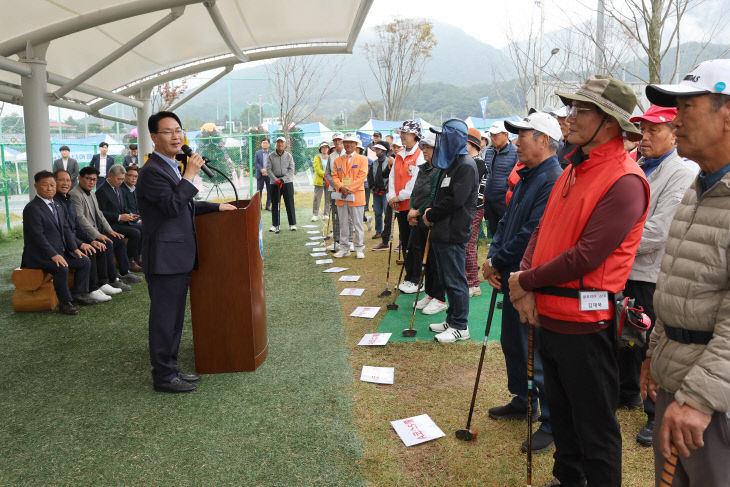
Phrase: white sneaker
x=274 y=229
x=99 y=295
x=109 y=290
x=369 y=222
x=315 y=218
x=293 y=228
x=423 y=302
x=360 y=255
x=341 y=253
x=438 y=327
x=407 y=287
x=435 y=306
x=452 y=335
x=325 y=217
x=352 y=246
x=475 y=291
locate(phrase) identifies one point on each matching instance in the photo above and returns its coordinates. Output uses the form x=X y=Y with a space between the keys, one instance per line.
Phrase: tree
x=397 y=58
x=251 y=116
x=300 y=87
x=166 y=94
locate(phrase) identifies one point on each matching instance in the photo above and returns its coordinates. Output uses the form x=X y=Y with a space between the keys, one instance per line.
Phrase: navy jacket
x=167 y=208
x=43 y=237
x=129 y=199
x=523 y=214
x=109 y=205
x=455 y=202
x=499 y=167
x=259 y=160
x=72 y=219
x=95 y=162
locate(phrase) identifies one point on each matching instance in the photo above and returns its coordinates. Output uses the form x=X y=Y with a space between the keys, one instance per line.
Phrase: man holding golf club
x=687 y=370
x=578 y=257
x=537 y=144
x=450 y=216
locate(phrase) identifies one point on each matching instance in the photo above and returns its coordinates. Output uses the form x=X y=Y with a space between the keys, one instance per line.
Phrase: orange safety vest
x=565 y=219
x=356 y=169
x=402 y=170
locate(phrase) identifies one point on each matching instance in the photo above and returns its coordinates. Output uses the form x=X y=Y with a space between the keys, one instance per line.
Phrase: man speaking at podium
x=169 y=247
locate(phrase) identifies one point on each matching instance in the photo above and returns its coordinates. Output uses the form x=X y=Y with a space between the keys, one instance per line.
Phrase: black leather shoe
x=188 y=377
x=511 y=412
x=117 y=283
x=175 y=385
x=67 y=309
x=633 y=402
x=645 y=436
x=130 y=278
x=542 y=441
x=83 y=300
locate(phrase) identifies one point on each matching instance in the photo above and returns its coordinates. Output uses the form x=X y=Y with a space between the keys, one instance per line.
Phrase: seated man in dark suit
x=129 y=196
x=169 y=246
x=130 y=160
x=94 y=223
x=50 y=245
x=100 y=288
x=119 y=217
x=102 y=163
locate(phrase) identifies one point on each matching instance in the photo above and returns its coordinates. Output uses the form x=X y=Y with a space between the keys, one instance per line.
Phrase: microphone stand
x=235 y=192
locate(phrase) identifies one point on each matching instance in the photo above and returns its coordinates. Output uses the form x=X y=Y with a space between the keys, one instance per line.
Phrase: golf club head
x=392 y=307
x=466 y=434
x=385 y=293
x=399 y=261
x=409 y=332
x=327 y=237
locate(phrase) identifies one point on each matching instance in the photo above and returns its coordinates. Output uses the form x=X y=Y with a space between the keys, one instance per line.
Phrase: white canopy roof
x=94 y=40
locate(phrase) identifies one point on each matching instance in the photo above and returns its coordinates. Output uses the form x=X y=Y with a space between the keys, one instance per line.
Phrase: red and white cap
x=656 y=114
x=708 y=77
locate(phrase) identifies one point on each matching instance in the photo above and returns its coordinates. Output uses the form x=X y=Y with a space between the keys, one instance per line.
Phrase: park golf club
x=410 y=332
x=468 y=434
x=530 y=387
x=393 y=306
x=387 y=291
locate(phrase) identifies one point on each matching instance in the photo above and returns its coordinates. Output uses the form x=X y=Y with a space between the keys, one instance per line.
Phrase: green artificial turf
x=395 y=321
x=79 y=409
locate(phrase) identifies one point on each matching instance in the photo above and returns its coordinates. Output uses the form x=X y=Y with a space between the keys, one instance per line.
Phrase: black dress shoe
x=175 y=385
x=510 y=412
x=67 y=309
x=542 y=441
x=645 y=436
x=83 y=300
x=188 y=377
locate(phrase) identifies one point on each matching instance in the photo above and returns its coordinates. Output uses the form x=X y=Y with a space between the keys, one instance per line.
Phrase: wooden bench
x=33 y=290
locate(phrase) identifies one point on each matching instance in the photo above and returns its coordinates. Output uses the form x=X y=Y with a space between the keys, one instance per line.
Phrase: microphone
x=189 y=152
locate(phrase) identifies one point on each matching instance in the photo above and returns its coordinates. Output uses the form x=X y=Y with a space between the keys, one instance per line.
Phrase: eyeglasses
x=89 y=178
x=573 y=111
x=169 y=133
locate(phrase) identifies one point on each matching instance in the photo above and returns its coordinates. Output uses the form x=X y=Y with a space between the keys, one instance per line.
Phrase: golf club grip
x=670 y=466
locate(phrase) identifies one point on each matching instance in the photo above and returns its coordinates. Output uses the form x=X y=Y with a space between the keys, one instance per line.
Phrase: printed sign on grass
x=377 y=375
x=374 y=339
x=352 y=291
x=418 y=429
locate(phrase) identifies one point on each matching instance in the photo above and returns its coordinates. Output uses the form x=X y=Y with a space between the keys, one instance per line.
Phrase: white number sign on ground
x=335 y=269
x=418 y=429
x=374 y=339
x=316 y=238
x=365 y=311
x=318 y=254
x=313 y=232
x=323 y=261
x=309 y=244
x=349 y=278
x=352 y=291
x=377 y=375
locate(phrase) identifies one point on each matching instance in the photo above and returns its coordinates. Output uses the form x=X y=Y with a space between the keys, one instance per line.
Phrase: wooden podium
x=227 y=295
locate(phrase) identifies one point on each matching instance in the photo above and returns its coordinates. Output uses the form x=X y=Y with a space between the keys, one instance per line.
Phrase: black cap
x=377 y=134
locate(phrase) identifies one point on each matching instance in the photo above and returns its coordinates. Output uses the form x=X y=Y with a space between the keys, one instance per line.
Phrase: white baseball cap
x=560 y=112
x=350 y=137
x=337 y=135
x=708 y=77
x=280 y=138
x=540 y=121
x=429 y=139
x=497 y=128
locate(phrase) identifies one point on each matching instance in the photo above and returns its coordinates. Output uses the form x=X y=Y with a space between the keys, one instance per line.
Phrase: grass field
x=80 y=409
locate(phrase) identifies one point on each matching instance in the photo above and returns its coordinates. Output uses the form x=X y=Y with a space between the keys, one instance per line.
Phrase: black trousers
x=581 y=382
x=335 y=219
x=260 y=183
x=133 y=232
x=168 y=296
x=387 y=224
x=434 y=288
x=412 y=261
x=493 y=212
x=287 y=191
x=630 y=359
x=81 y=268
x=119 y=249
x=99 y=274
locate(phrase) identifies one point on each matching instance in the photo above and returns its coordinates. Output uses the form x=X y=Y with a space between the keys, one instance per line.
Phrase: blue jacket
x=523 y=214
x=168 y=211
x=259 y=160
x=499 y=166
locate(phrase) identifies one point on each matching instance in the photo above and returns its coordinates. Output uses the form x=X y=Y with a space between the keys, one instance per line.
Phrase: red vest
x=402 y=170
x=512 y=181
x=565 y=219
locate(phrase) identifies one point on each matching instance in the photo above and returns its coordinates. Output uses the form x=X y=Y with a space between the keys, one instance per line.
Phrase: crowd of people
x=587 y=207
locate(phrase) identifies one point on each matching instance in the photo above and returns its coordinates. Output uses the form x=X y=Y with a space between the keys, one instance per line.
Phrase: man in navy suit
x=261 y=178
x=102 y=168
x=112 y=204
x=50 y=245
x=169 y=246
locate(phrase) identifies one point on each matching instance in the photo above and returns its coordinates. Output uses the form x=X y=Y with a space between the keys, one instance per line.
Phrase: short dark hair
x=42 y=175
x=103 y=144
x=266 y=139
x=88 y=170
x=154 y=121
x=55 y=174
x=132 y=146
x=64 y=147
x=132 y=168
x=717 y=100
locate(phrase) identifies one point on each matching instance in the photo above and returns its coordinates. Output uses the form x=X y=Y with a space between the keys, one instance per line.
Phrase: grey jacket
x=280 y=167
x=668 y=183
x=89 y=213
x=693 y=293
x=72 y=169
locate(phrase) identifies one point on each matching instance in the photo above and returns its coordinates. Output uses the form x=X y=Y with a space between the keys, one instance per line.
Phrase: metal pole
x=600 y=35
x=538 y=105
x=116 y=113
x=144 y=141
x=5 y=186
x=60 y=130
x=35 y=113
x=230 y=116
x=250 y=166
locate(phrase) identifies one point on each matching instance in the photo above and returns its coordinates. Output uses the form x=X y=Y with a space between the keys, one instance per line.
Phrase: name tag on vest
x=445 y=182
x=593 y=300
